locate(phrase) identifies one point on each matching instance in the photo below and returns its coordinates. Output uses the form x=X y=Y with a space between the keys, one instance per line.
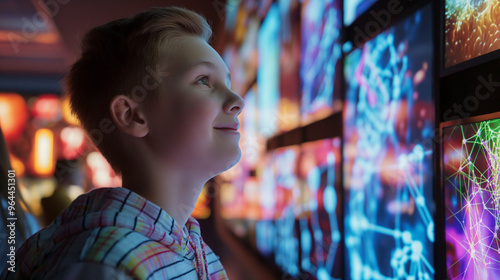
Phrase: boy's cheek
x=197 y=109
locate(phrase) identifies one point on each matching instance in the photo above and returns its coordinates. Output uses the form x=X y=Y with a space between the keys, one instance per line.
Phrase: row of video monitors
x=377 y=222
x=295 y=52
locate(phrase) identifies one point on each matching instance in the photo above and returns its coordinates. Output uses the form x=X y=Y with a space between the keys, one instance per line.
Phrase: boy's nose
x=235 y=103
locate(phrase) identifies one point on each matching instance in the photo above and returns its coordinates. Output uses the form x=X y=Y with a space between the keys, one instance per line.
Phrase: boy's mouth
x=233 y=126
x=227 y=130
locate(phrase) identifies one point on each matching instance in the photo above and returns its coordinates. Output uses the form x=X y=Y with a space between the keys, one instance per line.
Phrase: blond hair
x=122 y=57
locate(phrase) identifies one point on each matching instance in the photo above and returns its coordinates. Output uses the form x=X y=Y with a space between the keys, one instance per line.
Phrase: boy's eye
x=203 y=81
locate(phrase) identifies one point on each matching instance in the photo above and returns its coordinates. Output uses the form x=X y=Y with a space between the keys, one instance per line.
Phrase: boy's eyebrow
x=209 y=65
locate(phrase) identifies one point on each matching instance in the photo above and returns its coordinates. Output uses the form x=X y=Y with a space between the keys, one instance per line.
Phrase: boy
x=155 y=99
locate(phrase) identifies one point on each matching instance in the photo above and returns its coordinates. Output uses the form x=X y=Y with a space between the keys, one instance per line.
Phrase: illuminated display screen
x=388 y=123
x=299 y=224
x=471 y=154
x=268 y=72
x=289 y=108
x=321 y=24
x=319 y=172
x=354 y=8
x=472 y=28
x=280 y=198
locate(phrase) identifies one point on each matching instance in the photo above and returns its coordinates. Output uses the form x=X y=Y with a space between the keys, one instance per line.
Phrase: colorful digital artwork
x=388 y=116
x=471 y=169
x=321 y=51
x=299 y=228
x=472 y=29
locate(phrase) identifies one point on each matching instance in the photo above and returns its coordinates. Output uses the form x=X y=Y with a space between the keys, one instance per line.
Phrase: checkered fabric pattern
x=121 y=232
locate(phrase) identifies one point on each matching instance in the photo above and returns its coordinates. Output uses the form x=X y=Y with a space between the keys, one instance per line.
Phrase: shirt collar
x=125 y=208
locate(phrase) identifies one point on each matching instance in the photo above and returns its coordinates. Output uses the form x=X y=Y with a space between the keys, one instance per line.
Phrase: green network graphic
x=472 y=195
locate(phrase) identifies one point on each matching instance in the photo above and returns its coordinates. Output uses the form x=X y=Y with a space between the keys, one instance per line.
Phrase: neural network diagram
x=319 y=228
x=471 y=169
x=387 y=167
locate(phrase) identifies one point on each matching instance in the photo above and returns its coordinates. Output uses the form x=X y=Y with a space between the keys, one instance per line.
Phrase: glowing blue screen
x=388 y=123
x=320 y=53
x=268 y=72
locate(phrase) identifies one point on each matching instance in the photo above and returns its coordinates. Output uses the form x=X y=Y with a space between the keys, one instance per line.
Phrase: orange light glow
x=13 y=115
x=47 y=107
x=41 y=38
x=73 y=142
x=46 y=38
x=43 y=153
x=17 y=165
x=202 y=208
x=67 y=114
x=101 y=172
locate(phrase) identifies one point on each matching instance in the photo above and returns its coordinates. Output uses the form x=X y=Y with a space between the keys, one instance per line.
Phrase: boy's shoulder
x=130 y=251
x=118 y=229
x=118 y=248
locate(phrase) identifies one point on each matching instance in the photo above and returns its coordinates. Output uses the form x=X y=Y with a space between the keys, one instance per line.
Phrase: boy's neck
x=171 y=190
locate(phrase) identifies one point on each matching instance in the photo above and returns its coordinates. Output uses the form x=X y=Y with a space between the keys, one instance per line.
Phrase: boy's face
x=196 y=102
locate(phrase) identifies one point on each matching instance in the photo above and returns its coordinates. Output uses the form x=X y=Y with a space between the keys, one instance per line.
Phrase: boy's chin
x=224 y=166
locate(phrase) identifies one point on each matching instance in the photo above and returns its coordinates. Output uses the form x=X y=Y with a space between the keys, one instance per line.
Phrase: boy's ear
x=128 y=116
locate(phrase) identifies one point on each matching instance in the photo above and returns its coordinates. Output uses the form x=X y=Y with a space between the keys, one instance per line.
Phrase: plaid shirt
x=113 y=233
